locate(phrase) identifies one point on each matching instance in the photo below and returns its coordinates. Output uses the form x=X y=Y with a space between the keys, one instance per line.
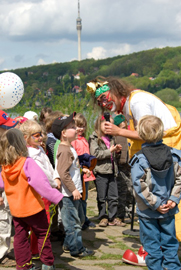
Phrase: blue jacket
x=156 y=177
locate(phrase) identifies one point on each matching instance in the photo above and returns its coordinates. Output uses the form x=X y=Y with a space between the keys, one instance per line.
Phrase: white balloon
x=11 y=90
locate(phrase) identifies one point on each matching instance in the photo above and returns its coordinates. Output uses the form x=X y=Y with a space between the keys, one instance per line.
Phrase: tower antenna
x=79 y=28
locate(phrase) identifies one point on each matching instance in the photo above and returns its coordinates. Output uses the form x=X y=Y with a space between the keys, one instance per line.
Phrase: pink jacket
x=81 y=146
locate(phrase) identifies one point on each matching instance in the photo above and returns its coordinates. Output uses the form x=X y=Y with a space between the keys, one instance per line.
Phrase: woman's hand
x=111 y=129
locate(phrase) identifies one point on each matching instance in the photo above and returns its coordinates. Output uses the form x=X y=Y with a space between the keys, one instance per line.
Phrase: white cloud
x=41 y=62
x=97 y=53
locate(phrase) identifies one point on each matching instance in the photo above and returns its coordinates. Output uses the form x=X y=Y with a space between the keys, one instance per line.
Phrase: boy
x=68 y=169
x=156 y=176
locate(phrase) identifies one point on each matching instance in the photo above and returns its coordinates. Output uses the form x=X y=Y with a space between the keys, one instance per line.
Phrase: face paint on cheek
x=36 y=140
x=110 y=105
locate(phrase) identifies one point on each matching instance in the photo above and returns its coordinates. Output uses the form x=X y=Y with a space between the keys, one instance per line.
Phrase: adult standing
x=118 y=96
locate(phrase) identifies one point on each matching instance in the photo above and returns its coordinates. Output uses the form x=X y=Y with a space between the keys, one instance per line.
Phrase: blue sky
x=34 y=32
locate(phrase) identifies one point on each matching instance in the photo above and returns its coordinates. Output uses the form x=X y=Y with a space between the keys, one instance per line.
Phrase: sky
x=37 y=32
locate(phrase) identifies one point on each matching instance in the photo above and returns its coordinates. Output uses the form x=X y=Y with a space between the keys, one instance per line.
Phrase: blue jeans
x=72 y=219
x=158 y=238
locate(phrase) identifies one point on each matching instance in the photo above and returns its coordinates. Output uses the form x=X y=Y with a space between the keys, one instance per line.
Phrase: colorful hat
x=60 y=123
x=6 y=122
x=97 y=88
x=119 y=119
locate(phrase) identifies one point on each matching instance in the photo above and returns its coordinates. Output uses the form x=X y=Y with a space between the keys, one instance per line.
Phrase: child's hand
x=1 y=201
x=87 y=172
x=118 y=148
x=57 y=180
x=163 y=209
x=171 y=204
x=112 y=148
x=76 y=195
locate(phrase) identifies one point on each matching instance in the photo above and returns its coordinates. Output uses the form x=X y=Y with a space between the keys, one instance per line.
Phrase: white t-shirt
x=142 y=104
x=43 y=162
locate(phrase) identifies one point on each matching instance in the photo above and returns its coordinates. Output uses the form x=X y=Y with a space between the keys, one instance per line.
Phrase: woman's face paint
x=105 y=101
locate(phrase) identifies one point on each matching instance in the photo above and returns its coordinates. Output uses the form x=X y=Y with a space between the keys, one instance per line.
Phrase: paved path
x=109 y=244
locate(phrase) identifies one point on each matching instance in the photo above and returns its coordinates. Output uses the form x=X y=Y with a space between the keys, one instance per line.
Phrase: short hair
x=29 y=127
x=80 y=121
x=150 y=128
x=12 y=147
x=51 y=118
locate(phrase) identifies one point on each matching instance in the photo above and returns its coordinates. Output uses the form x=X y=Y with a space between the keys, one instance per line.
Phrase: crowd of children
x=50 y=160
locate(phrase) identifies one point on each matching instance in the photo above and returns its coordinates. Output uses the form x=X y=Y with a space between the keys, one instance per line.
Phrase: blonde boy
x=156 y=177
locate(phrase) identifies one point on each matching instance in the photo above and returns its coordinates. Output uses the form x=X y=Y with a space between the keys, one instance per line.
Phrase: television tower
x=79 y=28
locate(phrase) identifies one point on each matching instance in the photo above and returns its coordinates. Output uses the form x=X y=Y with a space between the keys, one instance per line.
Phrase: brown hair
x=97 y=127
x=51 y=118
x=12 y=147
x=150 y=129
x=42 y=113
x=118 y=87
x=80 y=121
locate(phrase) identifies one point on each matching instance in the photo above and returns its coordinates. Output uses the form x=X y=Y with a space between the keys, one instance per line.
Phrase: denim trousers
x=39 y=225
x=72 y=219
x=107 y=193
x=158 y=238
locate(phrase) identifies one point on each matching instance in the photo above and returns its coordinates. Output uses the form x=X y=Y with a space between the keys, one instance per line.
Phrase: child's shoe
x=85 y=253
x=48 y=267
x=117 y=222
x=103 y=222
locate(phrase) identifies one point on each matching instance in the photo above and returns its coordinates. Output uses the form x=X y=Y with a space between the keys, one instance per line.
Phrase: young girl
x=19 y=174
x=32 y=132
x=103 y=148
x=81 y=146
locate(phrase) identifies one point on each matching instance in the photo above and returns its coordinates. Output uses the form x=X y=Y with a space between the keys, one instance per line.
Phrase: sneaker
x=103 y=222
x=7 y=262
x=48 y=267
x=117 y=222
x=85 y=253
x=65 y=249
x=92 y=224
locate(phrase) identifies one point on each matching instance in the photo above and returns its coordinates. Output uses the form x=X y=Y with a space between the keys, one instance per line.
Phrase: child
x=81 y=146
x=23 y=191
x=32 y=132
x=156 y=176
x=68 y=169
x=103 y=148
x=125 y=187
x=51 y=138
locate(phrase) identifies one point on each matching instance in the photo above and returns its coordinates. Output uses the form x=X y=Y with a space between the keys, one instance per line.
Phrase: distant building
x=30 y=72
x=135 y=74
x=76 y=89
x=45 y=73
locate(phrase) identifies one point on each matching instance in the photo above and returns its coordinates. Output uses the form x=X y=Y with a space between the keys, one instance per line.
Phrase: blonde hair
x=80 y=121
x=150 y=129
x=12 y=147
x=30 y=127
